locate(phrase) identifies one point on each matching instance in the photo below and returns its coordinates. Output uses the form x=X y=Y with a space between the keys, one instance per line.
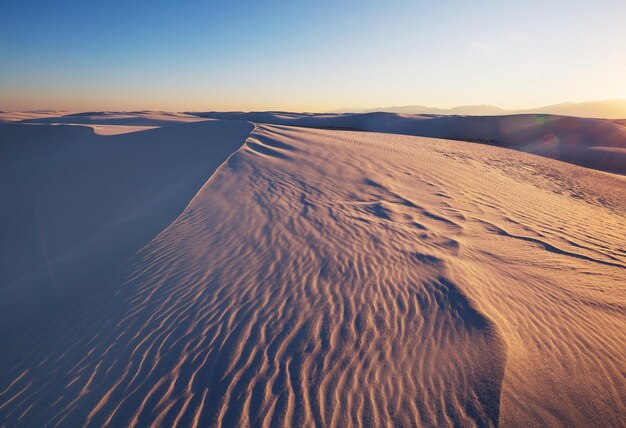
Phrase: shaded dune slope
x=343 y=278
x=593 y=143
x=77 y=204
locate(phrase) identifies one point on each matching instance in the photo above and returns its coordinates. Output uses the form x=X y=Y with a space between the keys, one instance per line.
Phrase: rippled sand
x=338 y=278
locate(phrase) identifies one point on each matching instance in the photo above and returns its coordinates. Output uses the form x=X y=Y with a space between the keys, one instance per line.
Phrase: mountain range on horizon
x=613 y=109
x=606 y=109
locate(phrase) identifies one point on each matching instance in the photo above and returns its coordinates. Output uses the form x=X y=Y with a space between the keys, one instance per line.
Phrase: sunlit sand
x=164 y=269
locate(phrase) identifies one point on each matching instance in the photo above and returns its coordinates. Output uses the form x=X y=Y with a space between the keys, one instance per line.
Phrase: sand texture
x=225 y=273
x=581 y=141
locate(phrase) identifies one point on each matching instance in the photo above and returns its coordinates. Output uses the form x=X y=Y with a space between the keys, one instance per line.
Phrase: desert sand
x=102 y=122
x=581 y=141
x=237 y=271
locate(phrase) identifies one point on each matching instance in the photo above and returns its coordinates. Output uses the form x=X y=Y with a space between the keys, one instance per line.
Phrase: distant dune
x=609 y=109
x=18 y=116
x=235 y=273
x=621 y=122
x=593 y=143
x=103 y=123
x=568 y=139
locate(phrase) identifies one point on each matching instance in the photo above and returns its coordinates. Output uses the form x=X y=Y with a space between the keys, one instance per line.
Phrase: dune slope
x=77 y=204
x=346 y=278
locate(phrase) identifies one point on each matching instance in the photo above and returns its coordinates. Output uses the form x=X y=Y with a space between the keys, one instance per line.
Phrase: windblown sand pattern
x=333 y=278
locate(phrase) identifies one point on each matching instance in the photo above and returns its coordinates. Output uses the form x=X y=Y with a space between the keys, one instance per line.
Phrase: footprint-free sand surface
x=226 y=273
x=592 y=143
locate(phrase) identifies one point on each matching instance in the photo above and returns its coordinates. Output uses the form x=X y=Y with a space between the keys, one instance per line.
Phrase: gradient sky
x=308 y=55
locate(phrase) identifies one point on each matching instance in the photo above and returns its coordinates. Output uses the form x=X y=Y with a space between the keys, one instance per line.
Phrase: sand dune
x=103 y=123
x=621 y=122
x=140 y=118
x=321 y=277
x=569 y=139
x=76 y=201
x=18 y=116
x=593 y=143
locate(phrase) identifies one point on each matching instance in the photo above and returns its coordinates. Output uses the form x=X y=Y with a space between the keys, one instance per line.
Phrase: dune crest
x=592 y=143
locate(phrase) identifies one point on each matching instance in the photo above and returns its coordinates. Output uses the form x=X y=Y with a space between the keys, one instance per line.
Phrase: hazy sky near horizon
x=308 y=55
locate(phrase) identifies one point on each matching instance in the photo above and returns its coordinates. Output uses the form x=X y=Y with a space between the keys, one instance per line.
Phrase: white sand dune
x=103 y=123
x=569 y=139
x=19 y=116
x=116 y=129
x=621 y=122
x=75 y=201
x=318 y=277
x=140 y=118
x=593 y=143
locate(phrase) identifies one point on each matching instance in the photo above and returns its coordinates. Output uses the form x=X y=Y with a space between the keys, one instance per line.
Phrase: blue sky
x=313 y=56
